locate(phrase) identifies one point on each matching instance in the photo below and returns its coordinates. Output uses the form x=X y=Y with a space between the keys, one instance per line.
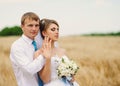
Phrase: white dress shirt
x=25 y=68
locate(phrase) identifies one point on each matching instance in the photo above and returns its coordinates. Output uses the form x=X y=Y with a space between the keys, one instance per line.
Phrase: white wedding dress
x=55 y=81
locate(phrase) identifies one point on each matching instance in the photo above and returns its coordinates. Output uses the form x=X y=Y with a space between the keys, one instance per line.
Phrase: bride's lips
x=56 y=36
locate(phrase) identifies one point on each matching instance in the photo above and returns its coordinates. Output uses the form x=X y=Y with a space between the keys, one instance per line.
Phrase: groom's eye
x=57 y=29
x=32 y=25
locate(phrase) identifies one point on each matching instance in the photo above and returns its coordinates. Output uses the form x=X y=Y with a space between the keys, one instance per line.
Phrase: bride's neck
x=52 y=45
x=53 y=48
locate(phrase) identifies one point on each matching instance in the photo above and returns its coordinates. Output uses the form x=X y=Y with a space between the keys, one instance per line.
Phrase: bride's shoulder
x=61 y=51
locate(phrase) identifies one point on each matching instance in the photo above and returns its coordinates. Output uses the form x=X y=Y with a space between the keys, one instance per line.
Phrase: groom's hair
x=30 y=16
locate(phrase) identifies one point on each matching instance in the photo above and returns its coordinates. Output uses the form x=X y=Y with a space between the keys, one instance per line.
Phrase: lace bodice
x=54 y=64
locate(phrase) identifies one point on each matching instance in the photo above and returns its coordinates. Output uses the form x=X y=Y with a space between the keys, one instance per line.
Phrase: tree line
x=11 y=31
x=16 y=30
x=104 y=34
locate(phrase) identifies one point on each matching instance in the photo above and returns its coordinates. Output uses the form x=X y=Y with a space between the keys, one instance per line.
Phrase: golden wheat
x=97 y=57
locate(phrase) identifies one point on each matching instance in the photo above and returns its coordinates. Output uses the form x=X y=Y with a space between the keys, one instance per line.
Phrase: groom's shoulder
x=17 y=42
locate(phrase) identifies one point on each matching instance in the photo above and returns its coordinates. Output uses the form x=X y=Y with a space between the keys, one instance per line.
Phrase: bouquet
x=67 y=68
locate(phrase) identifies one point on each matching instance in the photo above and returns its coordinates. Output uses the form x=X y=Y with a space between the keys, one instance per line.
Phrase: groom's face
x=30 y=28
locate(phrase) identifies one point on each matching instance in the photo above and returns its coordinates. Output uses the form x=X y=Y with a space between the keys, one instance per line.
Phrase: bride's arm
x=45 y=72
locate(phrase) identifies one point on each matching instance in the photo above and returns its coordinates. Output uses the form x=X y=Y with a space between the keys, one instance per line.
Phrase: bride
x=50 y=32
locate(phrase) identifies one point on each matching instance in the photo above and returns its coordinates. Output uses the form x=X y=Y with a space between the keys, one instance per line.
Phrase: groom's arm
x=18 y=57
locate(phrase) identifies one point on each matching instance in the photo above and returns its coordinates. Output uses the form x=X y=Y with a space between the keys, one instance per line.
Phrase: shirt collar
x=28 y=40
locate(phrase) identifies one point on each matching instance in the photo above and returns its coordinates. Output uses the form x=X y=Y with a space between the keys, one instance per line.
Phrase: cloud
x=14 y=1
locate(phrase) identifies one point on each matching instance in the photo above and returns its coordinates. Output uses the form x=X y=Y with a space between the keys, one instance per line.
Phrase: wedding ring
x=46 y=44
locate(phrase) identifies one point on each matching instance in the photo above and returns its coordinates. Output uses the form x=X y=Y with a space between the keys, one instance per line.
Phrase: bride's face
x=52 y=31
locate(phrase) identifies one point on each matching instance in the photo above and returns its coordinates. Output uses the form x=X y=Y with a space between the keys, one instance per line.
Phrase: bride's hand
x=73 y=79
x=46 y=47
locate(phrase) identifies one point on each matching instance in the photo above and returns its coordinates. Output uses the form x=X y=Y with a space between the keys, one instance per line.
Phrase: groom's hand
x=37 y=53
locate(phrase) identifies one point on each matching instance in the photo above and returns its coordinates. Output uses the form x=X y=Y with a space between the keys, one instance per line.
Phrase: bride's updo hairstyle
x=45 y=23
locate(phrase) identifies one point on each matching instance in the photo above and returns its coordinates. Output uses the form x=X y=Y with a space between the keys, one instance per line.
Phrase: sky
x=74 y=16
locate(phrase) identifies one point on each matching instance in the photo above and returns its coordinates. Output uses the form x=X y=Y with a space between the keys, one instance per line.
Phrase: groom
x=22 y=53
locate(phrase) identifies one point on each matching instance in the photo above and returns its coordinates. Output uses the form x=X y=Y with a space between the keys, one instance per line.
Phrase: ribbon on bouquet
x=66 y=80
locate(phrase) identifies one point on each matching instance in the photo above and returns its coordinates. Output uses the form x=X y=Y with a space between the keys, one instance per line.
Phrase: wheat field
x=97 y=57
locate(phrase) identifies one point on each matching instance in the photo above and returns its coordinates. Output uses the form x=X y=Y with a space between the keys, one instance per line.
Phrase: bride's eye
x=52 y=29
